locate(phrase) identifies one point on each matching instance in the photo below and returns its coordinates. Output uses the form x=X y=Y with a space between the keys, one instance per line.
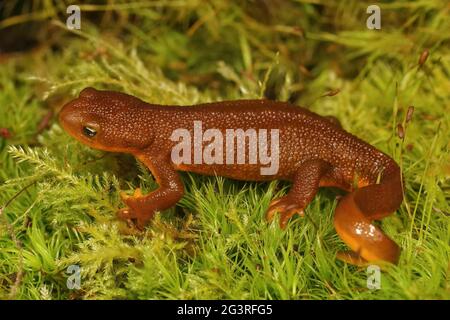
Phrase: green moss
x=216 y=243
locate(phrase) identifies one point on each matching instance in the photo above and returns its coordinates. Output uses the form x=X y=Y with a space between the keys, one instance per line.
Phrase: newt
x=314 y=151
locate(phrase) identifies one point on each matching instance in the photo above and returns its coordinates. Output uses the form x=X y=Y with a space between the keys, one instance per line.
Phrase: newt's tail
x=356 y=211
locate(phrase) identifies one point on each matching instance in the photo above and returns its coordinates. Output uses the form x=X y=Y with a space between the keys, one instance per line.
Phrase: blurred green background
x=58 y=198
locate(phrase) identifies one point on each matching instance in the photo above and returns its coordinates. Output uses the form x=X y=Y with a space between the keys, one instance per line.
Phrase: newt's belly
x=247 y=172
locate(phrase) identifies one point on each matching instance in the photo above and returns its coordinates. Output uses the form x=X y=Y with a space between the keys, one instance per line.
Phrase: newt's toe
x=124 y=196
x=286 y=207
x=125 y=214
x=137 y=194
x=133 y=218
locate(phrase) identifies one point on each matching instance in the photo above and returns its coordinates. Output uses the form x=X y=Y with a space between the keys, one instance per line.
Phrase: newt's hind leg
x=305 y=185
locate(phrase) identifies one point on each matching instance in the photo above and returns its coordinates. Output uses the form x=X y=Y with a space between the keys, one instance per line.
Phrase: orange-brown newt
x=313 y=152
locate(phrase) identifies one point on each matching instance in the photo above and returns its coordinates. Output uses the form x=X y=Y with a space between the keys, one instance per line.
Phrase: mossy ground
x=216 y=244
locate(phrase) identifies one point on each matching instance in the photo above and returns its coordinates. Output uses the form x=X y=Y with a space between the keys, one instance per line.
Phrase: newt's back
x=302 y=135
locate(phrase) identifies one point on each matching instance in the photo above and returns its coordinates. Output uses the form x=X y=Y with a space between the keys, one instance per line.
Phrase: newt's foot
x=132 y=218
x=137 y=194
x=135 y=211
x=287 y=207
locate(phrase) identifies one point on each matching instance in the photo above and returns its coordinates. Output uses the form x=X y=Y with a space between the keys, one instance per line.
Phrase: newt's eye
x=89 y=131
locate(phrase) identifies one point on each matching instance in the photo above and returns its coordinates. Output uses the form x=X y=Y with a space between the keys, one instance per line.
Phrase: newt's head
x=104 y=120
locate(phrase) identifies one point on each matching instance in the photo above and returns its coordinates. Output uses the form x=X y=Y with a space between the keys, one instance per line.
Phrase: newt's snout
x=66 y=117
x=70 y=119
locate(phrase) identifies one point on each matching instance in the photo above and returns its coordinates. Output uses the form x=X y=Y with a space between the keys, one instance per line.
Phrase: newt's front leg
x=143 y=207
